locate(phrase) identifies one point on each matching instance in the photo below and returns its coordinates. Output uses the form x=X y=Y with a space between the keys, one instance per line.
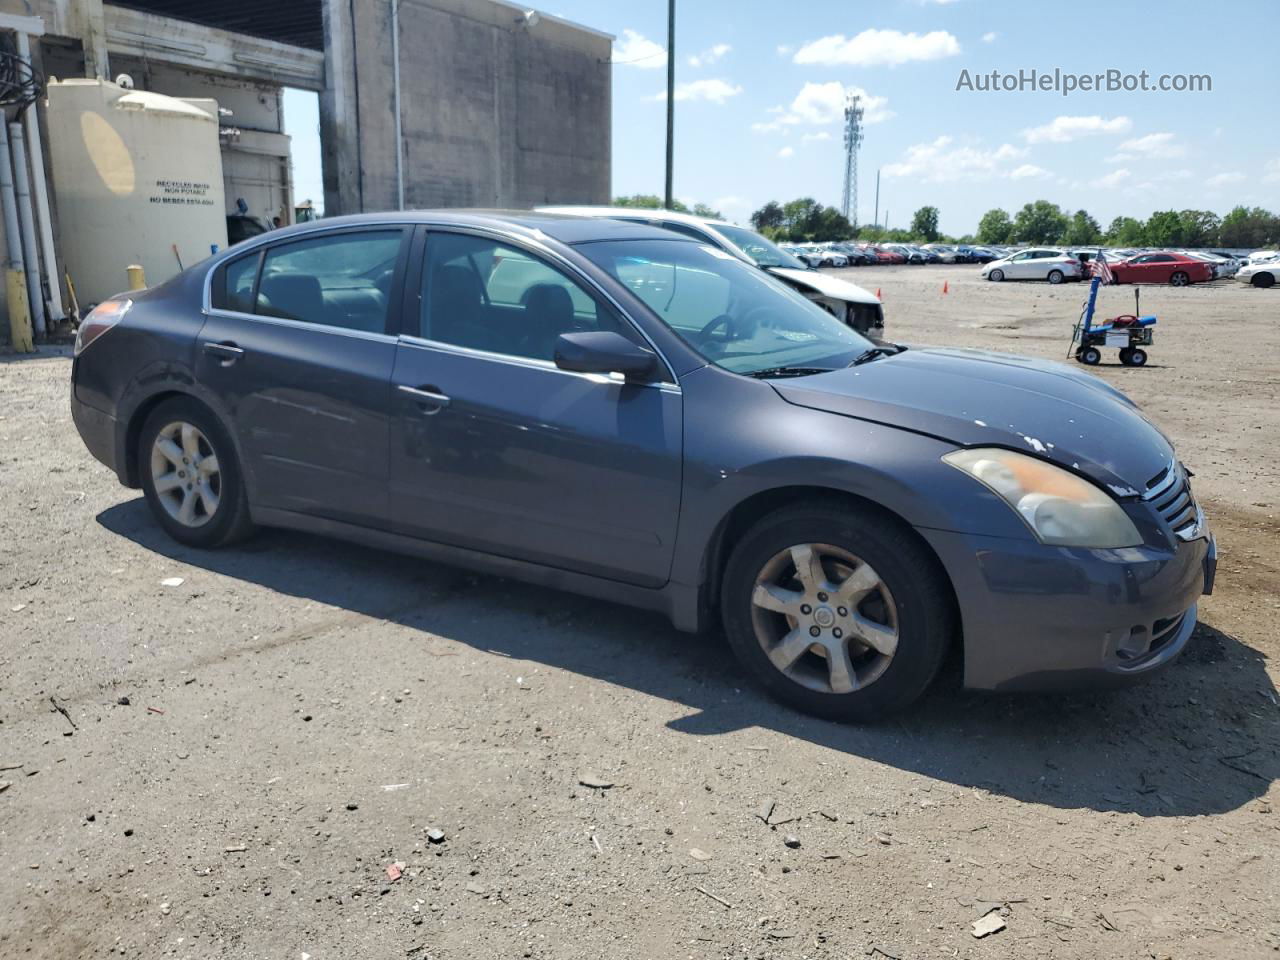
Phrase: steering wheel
x=726 y=327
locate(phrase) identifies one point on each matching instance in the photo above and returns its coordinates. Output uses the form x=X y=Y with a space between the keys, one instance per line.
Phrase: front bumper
x=1057 y=618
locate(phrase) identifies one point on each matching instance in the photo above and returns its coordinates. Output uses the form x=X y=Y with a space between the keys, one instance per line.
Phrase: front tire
x=837 y=610
x=191 y=476
x=1090 y=356
x=996 y=275
x=1133 y=357
x=1262 y=280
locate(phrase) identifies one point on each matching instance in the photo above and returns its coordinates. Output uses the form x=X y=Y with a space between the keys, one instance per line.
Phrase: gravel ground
x=245 y=753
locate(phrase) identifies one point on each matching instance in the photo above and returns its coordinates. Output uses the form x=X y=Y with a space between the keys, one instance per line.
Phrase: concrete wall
x=494 y=113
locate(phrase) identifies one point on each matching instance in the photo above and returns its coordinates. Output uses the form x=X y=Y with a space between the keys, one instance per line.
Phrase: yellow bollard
x=19 y=312
x=137 y=279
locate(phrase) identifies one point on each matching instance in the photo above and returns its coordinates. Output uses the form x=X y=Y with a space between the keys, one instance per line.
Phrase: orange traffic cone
x=878 y=297
x=944 y=286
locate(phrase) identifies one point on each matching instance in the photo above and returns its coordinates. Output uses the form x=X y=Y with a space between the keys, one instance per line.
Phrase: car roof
x=649 y=213
x=531 y=223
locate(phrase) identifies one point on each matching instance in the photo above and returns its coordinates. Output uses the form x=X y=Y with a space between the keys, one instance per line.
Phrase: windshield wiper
x=888 y=350
x=771 y=372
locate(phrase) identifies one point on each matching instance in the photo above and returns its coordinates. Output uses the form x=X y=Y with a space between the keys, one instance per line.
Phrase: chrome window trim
x=422 y=343
x=301 y=325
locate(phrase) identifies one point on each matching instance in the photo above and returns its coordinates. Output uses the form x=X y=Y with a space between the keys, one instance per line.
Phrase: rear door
x=297 y=345
x=496 y=449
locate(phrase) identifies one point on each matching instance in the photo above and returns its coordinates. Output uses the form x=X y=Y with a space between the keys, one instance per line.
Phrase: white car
x=857 y=307
x=1262 y=275
x=1035 y=264
x=1262 y=256
x=1222 y=266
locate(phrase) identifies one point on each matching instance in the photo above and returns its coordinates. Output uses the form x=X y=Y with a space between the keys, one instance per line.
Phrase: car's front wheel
x=838 y=610
x=190 y=475
x=997 y=275
x=1262 y=280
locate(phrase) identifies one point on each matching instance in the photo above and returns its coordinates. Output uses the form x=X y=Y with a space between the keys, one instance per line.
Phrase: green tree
x=924 y=223
x=1082 y=231
x=702 y=210
x=1164 y=229
x=1249 y=227
x=768 y=217
x=1039 y=222
x=995 y=227
x=1126 y=232
x=1200 y=227
x=650 y=201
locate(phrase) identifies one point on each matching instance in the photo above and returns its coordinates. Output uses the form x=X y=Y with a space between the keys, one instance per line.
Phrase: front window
x=733 y=315
x=758 y=248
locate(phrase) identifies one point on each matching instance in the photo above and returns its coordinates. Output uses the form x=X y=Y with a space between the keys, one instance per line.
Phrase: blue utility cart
x=1130 y=332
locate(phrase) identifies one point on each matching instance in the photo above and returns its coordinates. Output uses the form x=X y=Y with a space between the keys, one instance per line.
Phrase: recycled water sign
x=183 y=193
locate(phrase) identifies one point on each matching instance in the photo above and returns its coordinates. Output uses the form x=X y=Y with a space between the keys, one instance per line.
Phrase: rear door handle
x=430 y=400
x=229 y=353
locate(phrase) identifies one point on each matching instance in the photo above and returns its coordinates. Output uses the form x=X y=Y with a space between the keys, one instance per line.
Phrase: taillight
x=100 y=319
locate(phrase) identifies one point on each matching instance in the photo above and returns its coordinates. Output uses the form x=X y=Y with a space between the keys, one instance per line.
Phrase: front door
x=297 y=345
x=496 y=449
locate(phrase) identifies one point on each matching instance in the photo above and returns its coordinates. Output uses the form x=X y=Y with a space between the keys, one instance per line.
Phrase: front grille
x=1169 y=493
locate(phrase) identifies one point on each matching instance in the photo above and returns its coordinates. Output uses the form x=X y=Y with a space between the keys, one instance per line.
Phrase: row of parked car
x=1178 y=268
x=849 y=254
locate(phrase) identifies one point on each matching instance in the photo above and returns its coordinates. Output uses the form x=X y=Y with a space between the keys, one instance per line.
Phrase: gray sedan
x=616 y=410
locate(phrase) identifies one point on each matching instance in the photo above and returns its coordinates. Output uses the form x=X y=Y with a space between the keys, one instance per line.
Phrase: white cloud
x=943 y=160
x=637 y=50
x=873 y=48
x=1154 y=146
x=785 y=49
x=989 y=36
x=1222 y=179
x=786 y=152
x=1066 y=129
x=710 y=55
x=1113 y=179
x=820 y=135
x=1027 y=170
x=823 y=103
x=713 y=90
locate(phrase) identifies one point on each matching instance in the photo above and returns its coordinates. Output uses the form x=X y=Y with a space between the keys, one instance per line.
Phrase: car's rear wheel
x=1263 y=280
x=997 y=275
x=1179 y=279
x=1055 y=276
x=190 y=475
x=837 y=610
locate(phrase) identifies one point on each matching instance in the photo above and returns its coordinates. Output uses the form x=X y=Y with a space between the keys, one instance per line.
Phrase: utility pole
x=877 y=220
x=671 y=92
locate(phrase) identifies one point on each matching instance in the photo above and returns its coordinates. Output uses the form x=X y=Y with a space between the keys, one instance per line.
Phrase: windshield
x=759 y=249
x=734 y=316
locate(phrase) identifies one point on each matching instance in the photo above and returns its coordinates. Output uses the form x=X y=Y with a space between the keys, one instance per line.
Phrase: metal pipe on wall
x=395 y=73
x=31 y=117
x=26 y=219
x=12 y=235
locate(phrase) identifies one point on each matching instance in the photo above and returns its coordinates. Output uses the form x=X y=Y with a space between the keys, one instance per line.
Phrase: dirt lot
x=245 y=753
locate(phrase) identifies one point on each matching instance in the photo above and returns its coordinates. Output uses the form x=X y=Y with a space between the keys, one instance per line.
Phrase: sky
x=760 y=89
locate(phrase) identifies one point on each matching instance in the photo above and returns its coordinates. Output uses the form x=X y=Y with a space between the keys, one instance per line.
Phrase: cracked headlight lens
x=1059 y=507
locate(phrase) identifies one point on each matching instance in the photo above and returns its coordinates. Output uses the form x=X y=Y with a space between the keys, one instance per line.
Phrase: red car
x=1172 y=268
x=884 y=256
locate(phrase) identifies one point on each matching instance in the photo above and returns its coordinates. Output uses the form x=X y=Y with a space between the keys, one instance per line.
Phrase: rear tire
x=1090 y=356
x=1055 y=276
x=184 y=450
x=839 y=675
x=1179 y=279
x=1136 y=357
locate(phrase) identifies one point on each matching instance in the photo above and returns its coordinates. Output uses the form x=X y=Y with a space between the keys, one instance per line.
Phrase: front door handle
x=430 y=399
x=228 y=353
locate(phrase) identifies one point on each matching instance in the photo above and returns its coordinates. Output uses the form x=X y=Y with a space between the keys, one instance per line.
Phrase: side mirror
x=604 y=351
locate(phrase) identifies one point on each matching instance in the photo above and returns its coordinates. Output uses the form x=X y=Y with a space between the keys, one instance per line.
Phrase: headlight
x=1059 y=507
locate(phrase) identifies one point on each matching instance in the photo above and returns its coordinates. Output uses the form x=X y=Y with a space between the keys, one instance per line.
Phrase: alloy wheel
x=824 y=618
x=185 y=474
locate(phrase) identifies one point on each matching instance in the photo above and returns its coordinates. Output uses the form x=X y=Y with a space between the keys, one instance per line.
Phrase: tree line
x=805 y=220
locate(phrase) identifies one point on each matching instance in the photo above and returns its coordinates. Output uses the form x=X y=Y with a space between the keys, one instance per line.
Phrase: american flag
x=1098 y=268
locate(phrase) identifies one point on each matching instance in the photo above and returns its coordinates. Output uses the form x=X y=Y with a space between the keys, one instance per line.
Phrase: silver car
x=1038 y=263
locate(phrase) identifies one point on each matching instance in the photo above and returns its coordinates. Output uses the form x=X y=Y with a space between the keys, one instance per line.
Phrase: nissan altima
x=620 y=411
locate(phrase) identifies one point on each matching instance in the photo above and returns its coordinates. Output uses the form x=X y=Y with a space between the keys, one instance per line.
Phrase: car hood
x=825 y=284
x=976 y=398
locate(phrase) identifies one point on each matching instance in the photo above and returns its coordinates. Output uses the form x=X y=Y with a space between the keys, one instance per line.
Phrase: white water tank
x=134 y=174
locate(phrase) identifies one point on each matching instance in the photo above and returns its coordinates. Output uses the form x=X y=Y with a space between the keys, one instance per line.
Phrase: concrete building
x=423 y=103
